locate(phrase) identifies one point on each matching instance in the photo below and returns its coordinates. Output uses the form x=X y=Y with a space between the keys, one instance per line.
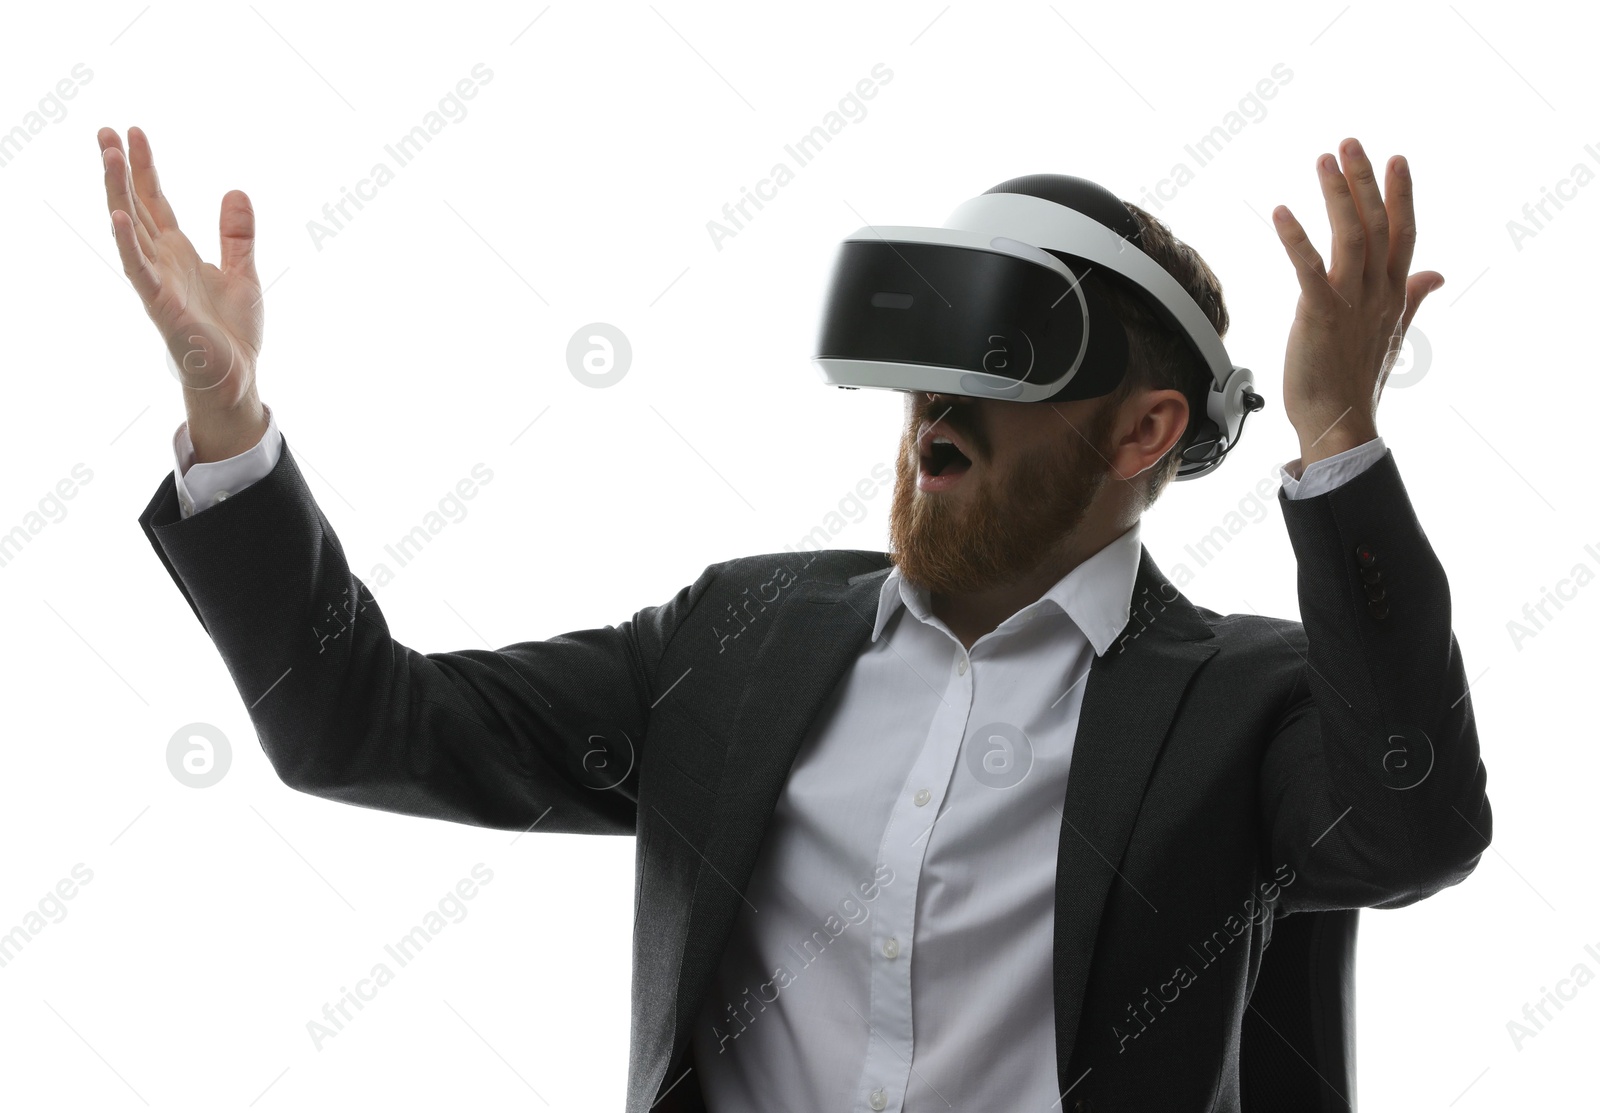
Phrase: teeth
x=941 y=440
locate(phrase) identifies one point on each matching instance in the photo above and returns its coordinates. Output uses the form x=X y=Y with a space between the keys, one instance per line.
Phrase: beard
x=1006 y=528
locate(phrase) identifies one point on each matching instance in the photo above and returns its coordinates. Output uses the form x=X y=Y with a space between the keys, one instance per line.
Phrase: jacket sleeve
x=1372 y=788
x=541 y=732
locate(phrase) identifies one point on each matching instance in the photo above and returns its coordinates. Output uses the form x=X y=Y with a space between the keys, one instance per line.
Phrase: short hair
x=1158 y=358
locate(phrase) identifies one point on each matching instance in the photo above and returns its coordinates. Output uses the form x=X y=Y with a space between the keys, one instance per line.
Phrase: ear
x=1149 y=423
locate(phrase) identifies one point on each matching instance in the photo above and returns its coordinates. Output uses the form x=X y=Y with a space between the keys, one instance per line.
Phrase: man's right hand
x=210 y=317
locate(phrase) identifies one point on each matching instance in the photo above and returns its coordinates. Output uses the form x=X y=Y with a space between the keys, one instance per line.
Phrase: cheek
x=1030 y=445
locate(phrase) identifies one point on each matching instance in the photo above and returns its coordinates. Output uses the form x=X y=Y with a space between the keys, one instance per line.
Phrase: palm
x=211 y=321
x=210 y=317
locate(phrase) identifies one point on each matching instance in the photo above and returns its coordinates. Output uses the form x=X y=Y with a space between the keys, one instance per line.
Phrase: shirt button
x=961 y=666
x=879 y=1099
x=891 y=948
x=220 y=496
x=922 y=797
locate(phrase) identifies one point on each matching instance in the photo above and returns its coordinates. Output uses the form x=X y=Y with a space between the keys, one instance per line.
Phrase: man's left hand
x=1350 y=322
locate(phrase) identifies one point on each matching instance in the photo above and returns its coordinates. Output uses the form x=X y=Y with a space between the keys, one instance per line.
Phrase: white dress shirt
x=898 y=963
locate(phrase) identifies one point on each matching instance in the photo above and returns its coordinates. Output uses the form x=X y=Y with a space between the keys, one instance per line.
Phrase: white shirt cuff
x=204 y=485
x=1331 y=471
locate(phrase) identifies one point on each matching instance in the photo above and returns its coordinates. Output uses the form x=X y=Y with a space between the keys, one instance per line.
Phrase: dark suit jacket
x=1227 y=769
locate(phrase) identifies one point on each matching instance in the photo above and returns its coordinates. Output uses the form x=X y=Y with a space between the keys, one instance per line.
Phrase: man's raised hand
x=210 y=317
x=1350 y=320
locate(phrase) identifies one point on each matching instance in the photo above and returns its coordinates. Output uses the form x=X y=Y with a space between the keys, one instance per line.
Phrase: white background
x=430 y=331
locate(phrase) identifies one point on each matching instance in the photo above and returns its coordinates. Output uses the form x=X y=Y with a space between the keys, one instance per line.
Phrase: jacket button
x=1371 y=575
x=1374 y=592
x=1366 y=556
x=1378 y=607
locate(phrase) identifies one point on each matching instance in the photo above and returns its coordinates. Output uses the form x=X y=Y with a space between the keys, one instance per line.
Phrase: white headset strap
x=1045 y=224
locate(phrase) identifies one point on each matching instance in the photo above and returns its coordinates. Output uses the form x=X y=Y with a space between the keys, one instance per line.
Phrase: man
x=865 y=878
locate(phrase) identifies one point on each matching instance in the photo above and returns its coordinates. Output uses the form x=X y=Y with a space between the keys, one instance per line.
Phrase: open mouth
x=940 y=457
x=941 y=464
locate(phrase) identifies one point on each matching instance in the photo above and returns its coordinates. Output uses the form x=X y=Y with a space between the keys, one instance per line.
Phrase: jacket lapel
x=816 y=633
x=1129 y=700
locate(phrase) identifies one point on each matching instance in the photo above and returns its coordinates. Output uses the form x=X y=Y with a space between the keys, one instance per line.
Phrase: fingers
x=1418 y=286
x=147 y=221
x=116 y=181
x=1373 y=261
x=237 y=226
x=1303 y=254
x=146 y=282
x=145 y=182
x=1349 y=233
x=119 y=188
x=1402 y=219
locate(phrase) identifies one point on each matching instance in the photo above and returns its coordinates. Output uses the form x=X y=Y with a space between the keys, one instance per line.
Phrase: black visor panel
x=949 y=306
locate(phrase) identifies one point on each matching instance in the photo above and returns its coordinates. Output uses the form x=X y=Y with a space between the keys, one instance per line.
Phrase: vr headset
x=992 y=306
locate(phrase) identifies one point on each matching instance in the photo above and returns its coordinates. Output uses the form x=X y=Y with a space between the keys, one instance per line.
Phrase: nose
x=945 y=402
x=939 y=403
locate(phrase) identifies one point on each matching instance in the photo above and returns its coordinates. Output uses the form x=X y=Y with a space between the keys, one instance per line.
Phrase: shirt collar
x=1096 y=594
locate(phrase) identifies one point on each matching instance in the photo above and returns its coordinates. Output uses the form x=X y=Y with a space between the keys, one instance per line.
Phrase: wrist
x=222 y=432
x=1334 y=441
